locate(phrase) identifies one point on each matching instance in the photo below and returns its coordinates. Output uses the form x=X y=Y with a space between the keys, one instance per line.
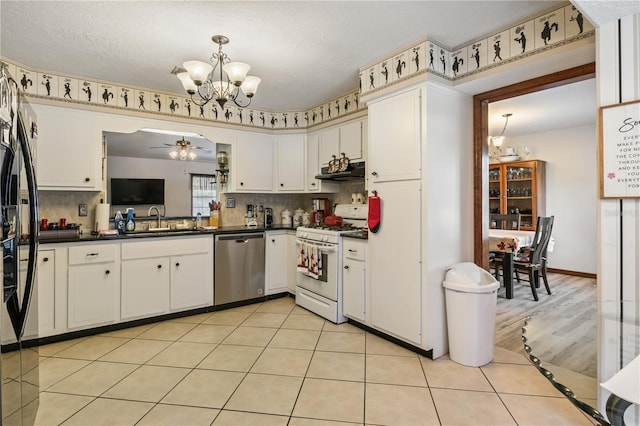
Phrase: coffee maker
x=268 y=217
x=319 y=210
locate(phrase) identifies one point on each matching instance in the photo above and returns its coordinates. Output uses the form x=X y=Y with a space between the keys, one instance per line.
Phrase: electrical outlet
x=230 y=203
x=82 y=210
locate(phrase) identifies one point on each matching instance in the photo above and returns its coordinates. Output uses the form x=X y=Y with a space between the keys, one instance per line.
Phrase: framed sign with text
x=620 y=150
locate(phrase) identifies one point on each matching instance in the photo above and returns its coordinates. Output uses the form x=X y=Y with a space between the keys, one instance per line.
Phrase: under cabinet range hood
x=355 y=171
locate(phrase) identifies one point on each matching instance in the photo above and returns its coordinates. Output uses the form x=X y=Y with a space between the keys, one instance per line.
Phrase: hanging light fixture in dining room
x=499 y=140
x=204 y=82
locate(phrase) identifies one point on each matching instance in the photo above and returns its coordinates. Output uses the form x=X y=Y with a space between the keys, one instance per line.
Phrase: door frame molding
x=481 y=148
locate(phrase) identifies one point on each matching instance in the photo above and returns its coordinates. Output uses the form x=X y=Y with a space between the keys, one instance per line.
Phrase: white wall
x=176 y=175
x=571 y=192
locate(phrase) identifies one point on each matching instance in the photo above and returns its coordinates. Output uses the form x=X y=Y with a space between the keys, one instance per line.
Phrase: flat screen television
x=133 y=192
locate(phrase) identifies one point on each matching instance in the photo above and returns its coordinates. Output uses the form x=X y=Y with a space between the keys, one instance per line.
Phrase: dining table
x=509 y=242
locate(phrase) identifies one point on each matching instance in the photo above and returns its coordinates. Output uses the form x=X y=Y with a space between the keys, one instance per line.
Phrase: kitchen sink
x=156 y=232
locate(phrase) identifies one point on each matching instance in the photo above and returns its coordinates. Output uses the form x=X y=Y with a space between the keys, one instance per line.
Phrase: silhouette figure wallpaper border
x=554 y=29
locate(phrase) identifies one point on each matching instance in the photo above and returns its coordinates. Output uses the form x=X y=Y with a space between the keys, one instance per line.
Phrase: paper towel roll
x=102 y=217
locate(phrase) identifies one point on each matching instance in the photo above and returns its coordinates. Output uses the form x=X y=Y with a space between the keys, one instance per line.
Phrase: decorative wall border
x=554 y=29
x=72 y=90
x=557 y=28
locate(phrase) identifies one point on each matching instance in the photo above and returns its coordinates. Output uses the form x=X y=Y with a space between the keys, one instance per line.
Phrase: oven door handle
x=322 y=247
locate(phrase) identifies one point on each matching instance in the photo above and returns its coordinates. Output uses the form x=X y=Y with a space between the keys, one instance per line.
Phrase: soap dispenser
x=118 y=222
x=130 y=225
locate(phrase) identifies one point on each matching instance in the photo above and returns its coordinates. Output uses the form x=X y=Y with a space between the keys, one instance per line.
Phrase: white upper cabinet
x=344 y=139
x=351 y=141
x=313 y=168
x=395 y=133
x=252 y=163
x=329 y=145
x=290 y=150
x=69 y=150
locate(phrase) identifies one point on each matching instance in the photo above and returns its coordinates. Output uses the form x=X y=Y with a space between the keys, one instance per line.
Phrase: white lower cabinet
x=145 y=287
x=166 y=275
x=394 y=259
x=46 y=291
x=292 y=269
x=279 y=262
x=354 y=279
x=192 y=281
x=93 y=285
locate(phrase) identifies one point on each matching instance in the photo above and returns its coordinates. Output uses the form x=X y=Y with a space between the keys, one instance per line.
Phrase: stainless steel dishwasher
x=239 y=267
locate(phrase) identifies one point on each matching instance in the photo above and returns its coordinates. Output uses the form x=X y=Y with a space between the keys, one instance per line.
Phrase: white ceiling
x=145 y=145
x=306 y=52
x=563 y=107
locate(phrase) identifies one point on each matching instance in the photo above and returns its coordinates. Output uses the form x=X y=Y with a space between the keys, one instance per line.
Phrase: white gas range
x=319 y=262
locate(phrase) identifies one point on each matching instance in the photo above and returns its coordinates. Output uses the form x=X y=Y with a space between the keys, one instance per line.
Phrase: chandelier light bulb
x=236 y=71
x=198 y=71
x=250 y=85
x=173 y=154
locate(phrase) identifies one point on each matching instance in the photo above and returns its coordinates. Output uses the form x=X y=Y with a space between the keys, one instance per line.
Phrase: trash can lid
x=469 y=278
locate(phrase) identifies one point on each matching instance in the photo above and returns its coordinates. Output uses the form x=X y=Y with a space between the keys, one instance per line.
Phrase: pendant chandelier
x=499 y=140
x=204 y=82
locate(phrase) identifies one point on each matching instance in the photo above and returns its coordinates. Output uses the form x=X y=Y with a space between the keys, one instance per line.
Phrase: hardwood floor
x=558 y=314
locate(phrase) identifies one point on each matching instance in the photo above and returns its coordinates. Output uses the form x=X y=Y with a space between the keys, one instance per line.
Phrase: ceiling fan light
x=236 y=72
x=187 y=83
x=498 y=140
x=183 y=154
x=192 y=155
x=198 y=71
x=173 y=154
x=250 y=85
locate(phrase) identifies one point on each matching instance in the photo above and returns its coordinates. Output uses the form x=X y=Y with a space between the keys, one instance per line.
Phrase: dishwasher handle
x=239 y=238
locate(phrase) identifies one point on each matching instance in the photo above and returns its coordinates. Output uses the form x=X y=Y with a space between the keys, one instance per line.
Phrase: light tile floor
x=274 y=363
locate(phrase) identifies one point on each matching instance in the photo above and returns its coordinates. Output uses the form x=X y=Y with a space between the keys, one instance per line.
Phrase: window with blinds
x=203 y=191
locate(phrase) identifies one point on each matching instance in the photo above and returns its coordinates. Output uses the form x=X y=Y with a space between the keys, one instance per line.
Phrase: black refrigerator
x=19 y=389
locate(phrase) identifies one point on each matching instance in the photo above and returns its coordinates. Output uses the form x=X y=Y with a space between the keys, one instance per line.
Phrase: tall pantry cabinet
x=419 y=164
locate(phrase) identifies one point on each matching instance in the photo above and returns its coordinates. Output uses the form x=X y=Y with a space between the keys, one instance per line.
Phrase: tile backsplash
x=57 y=204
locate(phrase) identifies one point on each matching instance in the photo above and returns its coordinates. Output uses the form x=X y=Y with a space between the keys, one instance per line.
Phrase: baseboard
x=574 y=273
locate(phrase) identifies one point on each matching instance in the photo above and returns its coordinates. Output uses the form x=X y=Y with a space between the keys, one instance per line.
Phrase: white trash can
x=471 y=295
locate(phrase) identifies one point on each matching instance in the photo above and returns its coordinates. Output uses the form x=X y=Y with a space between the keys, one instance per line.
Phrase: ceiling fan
x=182 y=149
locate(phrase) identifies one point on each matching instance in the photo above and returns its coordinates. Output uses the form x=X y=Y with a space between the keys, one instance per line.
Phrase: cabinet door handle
x=177 y=263
x=313 y=184
x=282 y=184
x=159 y=266
x=45 y=259
x=92 y=254
x=353 y=251
x=346 y=266
x=107 y=272
x=374 y=173
x=241 y=183
x=87 y=179
x=273 y=240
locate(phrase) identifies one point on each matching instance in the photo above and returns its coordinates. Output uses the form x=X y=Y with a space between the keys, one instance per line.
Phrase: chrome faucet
x=157 y=213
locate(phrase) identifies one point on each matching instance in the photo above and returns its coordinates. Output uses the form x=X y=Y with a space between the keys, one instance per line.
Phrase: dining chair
x=509 y=221
x=533 y=259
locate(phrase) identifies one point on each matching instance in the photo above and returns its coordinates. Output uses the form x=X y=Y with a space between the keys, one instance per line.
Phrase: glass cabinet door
x=495 y=190
x=520 y=193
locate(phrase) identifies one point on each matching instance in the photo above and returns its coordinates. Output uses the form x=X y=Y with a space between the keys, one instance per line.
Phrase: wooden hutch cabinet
x=518 y=187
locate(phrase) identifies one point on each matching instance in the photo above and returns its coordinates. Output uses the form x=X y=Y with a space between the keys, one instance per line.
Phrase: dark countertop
x=87 y=237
